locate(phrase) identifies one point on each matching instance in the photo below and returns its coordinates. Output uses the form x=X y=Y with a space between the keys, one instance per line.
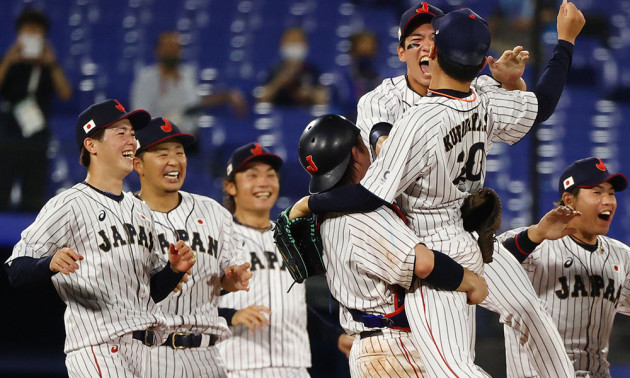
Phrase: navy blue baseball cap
x=251 y=152
x=416 y=16
x=104 y=114
x=160 y=130
x=462 y=36
x=588 y=173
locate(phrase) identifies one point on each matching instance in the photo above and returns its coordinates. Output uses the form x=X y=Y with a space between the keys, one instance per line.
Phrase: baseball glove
x=300 y=245
x=481 y=212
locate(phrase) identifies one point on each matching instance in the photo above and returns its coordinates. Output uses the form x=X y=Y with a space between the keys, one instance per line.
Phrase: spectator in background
x=360 y=76
x=294 y=81
x=169 y=88
x=29 y=78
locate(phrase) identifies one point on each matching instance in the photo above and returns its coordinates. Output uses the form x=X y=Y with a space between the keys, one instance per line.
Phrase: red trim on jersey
x=518 y=247
x=96 y=362
x=431 y=333
x=453 y=97
x=397 y=310
x=407 y=357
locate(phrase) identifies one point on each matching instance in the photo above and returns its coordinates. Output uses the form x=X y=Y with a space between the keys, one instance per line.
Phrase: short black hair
x=33 y=17
x=458 y=71
x=84 y=158
x=574 y=191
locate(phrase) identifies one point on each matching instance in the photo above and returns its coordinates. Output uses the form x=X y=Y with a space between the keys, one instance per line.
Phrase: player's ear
x=229 y=187
x=90 y=145
x=138 y=165
x=433 y=51
x=401 y=51
x=568 y=199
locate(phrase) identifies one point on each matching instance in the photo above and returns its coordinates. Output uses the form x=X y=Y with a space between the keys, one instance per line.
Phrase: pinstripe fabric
x=365 y=255
x=119 y=357
x=206 y=227
x=272 y=372
x=192 y=362
x=443 y=324
x=512 y=296
x=583 y=291
x=391 y=355
x=284 y=343
x=109 y=295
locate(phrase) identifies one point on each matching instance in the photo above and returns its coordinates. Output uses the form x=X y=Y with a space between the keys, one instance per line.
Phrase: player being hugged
x=371 y=258
x=582 y=275
x=101 y=240
x=207 y=227
x=435 y=156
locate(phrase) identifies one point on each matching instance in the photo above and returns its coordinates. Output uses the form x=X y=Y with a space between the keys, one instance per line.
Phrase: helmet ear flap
x=325 y=150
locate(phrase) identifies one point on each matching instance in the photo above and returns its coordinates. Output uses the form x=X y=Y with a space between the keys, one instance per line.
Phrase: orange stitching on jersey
x=95 y=361
x=453 y=97
x=431 y=333
x=407 y=357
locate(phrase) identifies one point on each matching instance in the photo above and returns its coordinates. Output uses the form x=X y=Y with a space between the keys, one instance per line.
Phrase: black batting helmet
x=325 y=149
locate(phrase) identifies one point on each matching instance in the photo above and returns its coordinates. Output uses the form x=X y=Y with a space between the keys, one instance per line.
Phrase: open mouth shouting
x=424 y=65
x=128 y=154
x=605 y=215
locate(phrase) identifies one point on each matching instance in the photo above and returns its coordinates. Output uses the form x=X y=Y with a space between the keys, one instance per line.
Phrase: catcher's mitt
x=481 y=212
x=300 y=245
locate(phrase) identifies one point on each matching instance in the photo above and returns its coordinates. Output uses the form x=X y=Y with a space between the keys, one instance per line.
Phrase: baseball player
x=101 y=241
x=279 y=345
x=513 y=299
x=372 y=257
x=207 y=227
x=582 y=275
x=437 y=156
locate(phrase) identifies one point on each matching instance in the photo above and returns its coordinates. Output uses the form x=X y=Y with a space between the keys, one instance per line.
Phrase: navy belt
x=366 y=334
x=176 y=340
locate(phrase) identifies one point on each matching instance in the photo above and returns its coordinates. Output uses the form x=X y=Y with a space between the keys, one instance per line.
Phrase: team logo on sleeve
x=568 y=182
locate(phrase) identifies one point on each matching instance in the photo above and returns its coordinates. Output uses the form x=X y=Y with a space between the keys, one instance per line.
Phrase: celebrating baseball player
x=582 y=275
x=274 y=343
x=371 y=258
x=101 y=240
x=435 y=156
x=207 y=227
x=513 y=299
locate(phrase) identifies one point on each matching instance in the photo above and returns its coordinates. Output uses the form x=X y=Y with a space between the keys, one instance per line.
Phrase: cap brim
x=274 y=160
x=618 y=182
x=185 y=139
x=329 y=179
x=138 y=119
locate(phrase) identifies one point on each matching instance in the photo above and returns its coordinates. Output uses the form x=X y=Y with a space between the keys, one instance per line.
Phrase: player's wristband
x=520 y=245
x=378 y=130
x=447 y=274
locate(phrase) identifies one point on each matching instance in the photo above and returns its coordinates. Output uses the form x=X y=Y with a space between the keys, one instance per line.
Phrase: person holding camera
x=29 y=78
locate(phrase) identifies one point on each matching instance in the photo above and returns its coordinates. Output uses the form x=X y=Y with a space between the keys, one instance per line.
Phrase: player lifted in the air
x=435 y=156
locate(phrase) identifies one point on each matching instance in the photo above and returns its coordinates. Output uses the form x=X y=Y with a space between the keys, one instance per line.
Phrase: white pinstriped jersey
x=583 y=291
x=283 y=343
x=390 y=100
x=436 y=154
x=109 y=295
x=365 y=255
x=206 y=226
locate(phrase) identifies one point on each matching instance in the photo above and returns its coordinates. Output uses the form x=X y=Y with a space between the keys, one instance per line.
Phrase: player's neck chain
x=453 y=97
x=589 y=247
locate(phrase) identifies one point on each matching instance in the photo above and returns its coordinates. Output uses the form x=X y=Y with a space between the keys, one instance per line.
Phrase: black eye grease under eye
x=412 y=46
